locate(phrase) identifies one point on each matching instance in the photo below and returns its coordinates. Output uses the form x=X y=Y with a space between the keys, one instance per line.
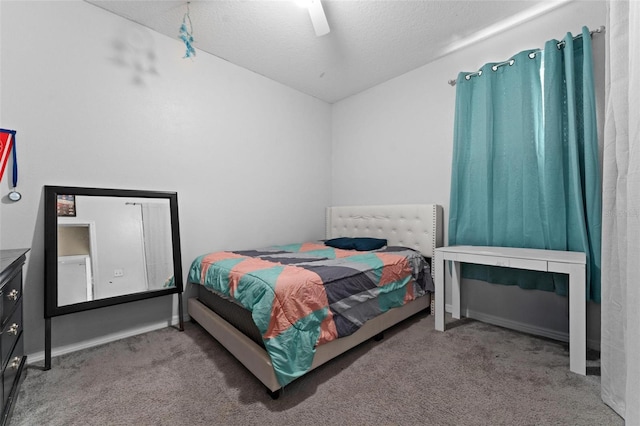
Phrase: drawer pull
x=13 y=329
x=13 y=294
x=15 y=362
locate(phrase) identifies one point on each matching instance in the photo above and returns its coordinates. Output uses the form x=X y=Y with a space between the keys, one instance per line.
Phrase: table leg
x=455 y=290
x=577 y=314
x=439 y=266
x=577 y=320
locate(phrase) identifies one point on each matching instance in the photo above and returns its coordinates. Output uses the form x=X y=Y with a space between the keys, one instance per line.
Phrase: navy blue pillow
x=359 y=243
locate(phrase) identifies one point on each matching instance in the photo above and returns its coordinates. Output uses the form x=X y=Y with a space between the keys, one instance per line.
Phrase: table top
x=518 y=253
x=8 y=258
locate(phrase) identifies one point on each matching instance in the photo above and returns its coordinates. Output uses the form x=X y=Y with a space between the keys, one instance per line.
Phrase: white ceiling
x=371 y=41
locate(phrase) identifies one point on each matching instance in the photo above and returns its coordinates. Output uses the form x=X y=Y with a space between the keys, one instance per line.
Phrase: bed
x=235 y=315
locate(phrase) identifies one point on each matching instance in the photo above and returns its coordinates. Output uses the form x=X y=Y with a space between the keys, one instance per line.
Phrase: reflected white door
x=74 y=279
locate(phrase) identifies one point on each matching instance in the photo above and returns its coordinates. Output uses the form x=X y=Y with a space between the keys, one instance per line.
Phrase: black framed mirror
x=109 y=246
x=105 y=247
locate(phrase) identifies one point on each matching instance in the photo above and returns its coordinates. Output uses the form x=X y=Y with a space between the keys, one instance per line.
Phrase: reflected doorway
x=77 y=261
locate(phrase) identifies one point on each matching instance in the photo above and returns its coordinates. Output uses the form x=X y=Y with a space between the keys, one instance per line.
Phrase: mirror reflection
x=112 y=246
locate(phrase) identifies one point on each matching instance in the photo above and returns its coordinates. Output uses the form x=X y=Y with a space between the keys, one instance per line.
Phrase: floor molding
x=480 y=316
x=523 y=327
x=85 y=344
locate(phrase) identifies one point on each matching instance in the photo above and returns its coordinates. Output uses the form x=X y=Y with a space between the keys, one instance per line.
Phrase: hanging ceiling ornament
x=186 y=34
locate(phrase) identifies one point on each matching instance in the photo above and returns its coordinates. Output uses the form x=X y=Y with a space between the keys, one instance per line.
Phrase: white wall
x=393 y=143
x=100 y=101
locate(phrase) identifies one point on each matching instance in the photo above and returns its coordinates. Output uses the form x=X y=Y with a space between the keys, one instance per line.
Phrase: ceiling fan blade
x=318 y=18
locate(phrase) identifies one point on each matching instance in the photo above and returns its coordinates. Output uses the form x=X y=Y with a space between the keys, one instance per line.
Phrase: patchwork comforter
x=304 y=295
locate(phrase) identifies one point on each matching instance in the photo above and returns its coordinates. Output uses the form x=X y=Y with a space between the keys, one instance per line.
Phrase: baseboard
x=523 y=327
x=62 y=350
x=480 y=316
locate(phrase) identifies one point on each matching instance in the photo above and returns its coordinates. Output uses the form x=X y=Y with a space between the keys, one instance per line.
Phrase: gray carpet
x=473 y=374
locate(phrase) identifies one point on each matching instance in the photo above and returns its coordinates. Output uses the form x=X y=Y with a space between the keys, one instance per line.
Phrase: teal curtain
x=525 y=169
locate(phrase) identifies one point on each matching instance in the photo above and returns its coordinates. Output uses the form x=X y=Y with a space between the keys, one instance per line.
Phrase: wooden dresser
x=12 y=358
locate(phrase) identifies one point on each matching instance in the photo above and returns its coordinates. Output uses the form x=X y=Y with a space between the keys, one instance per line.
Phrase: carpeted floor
x=473 y=374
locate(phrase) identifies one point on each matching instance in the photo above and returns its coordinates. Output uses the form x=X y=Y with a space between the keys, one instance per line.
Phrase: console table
x=566 y=262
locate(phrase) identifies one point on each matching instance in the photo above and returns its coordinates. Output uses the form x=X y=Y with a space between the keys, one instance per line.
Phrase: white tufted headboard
x=417 y=226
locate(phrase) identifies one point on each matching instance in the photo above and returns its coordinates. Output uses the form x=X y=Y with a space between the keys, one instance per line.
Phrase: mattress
x=231 y=311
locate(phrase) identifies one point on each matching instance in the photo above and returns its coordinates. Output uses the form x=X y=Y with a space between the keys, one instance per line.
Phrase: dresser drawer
x=12 y=369
x=10 y=333
x=11 y=292
x=12 y=359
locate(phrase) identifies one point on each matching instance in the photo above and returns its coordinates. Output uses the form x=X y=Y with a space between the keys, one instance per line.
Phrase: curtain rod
x=598 y=30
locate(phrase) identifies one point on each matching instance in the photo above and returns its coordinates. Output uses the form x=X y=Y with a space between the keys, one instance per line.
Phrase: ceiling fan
x=318 y=18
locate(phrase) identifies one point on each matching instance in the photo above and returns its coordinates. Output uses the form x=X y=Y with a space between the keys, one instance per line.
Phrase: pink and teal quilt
x=303 y=295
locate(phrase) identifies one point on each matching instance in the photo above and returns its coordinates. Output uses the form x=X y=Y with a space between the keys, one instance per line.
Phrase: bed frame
x=417 y=226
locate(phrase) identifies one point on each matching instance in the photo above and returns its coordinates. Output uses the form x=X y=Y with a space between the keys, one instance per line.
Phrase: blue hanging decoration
x=186 y=34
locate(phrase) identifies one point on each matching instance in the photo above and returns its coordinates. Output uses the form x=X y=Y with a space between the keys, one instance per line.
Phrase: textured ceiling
x=371 y=41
